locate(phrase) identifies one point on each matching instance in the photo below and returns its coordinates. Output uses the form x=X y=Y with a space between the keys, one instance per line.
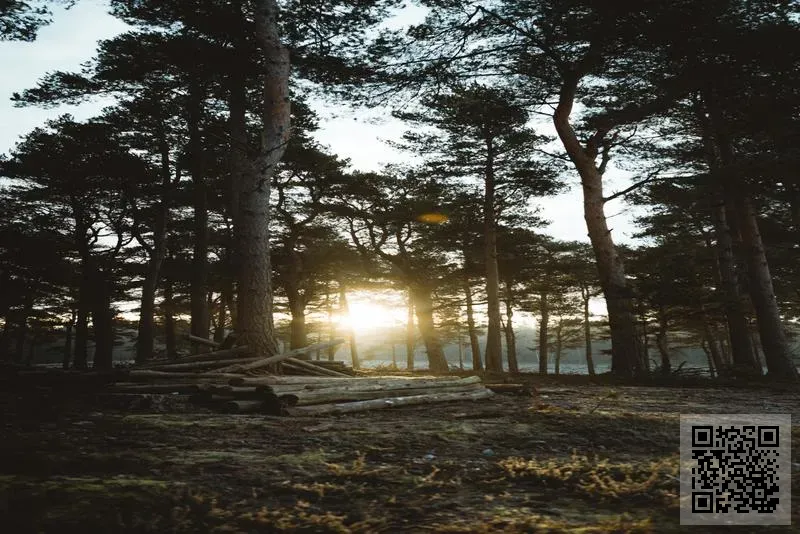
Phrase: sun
x=367 y=314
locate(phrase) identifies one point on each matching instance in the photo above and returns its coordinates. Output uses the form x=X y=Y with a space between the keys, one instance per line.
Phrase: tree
x=20 y=20
x=484 y=135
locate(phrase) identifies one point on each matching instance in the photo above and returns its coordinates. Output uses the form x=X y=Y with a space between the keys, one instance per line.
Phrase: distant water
x=530 y=367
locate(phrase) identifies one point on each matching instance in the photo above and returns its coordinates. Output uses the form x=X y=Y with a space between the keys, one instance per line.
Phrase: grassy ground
x=576 y=458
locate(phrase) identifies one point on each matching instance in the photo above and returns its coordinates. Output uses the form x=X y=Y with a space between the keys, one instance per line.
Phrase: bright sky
x=72 y=38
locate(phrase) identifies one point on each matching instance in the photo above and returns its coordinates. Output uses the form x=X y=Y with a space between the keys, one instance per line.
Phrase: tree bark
x=543 y=320
x=625 y=346
x=168 y=309
x=252 y=188
x=511 y=339
x=477 y=363
x=661 y=342
x=587 y=331
x=777 y=352
x=22 y=327
x=494 y=351
x=423 y=304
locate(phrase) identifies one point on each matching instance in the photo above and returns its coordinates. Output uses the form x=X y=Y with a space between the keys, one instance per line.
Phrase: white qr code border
x=700 y=452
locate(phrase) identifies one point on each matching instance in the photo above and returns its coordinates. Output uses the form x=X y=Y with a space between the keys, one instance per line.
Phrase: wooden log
x=202 y=365
x=300 y=370
x=147 y=375
x=241 y=406
x=378 y=404
x=182 y=387
x=352 y=385
x=264 y=362
x=512 y=389
x=203 y=341
x=205 y=357
x=315 y=368
x=327 y=396
x=311 y=380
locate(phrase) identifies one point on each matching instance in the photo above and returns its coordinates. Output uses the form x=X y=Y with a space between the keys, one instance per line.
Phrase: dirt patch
x=570 y=459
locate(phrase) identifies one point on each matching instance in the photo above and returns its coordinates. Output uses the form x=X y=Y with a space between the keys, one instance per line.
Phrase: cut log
x=378 y=404
x=216 y=363
x=203 y=341
x=512 y=389
x=137 y=375
x=183 y=388
x=315 y=368
x=265 y=362
x=322 y=381
x=288 y=366
x=387 y=386
x=327 y=396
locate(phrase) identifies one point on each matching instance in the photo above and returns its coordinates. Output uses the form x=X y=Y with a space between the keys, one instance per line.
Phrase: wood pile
x=223 y=380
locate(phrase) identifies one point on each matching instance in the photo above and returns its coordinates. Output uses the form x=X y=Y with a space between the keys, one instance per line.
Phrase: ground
x=576 y=458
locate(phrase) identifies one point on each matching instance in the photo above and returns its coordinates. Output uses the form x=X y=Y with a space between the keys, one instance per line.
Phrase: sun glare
x=366 y=314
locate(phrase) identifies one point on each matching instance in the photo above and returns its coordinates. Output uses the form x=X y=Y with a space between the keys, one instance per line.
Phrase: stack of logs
x=223 y=381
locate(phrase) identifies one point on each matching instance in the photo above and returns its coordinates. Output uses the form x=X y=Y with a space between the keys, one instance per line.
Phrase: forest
x=197 y=212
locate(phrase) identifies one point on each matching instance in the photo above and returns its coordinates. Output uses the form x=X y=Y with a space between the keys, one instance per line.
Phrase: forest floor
x=576 y=457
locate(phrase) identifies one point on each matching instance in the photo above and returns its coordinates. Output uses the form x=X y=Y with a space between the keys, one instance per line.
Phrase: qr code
x=737 y=469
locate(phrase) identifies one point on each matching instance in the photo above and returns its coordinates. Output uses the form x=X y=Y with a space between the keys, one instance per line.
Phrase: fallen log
x=203 y=341
x=214 y=363
x=353 y=385
x=183 y=388
x=205 y=357
x=378 y=404
x=313 y=381
x=327 y=396
x=301 y=370
x=147 y=374
x=315 y=368
x=264 y=362
x=512 y=389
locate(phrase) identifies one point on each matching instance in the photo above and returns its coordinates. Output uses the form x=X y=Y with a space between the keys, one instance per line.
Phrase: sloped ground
x=582 y=458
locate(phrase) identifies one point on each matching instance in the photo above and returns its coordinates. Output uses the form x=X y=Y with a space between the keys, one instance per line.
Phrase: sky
x=359 y=136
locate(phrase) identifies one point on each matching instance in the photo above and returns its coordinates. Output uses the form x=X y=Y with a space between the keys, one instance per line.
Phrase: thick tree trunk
x=298 y=335
x=410 y=332
x=222 y=317
x=511 y=339
x=344 y=310
x=772 y=334
x=423 y=304
x=477 y=363
x=494 y=350
x=543 y=320
x=587 y=331
x=252 y=189
x=625 y=346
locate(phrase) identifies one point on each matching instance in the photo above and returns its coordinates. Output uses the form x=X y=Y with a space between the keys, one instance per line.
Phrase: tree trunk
x=331 y=330
x=222 y=317
x=477 y=363
x=82 y=329
x=543 y=320
x=103 y=322
x=511 y=339
x=410 y=342
x=661 y=342
x=625 y=346
x=67 y=353
x=494 y=352
x=31 y=348
x=22 y=328
x=559 y=343
x=344 y=310
x=297 y=307
x=777 y=352
x=587 y=331
x=423 y=304
x=198 y=279
x=168 y=308
x=252 y=188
